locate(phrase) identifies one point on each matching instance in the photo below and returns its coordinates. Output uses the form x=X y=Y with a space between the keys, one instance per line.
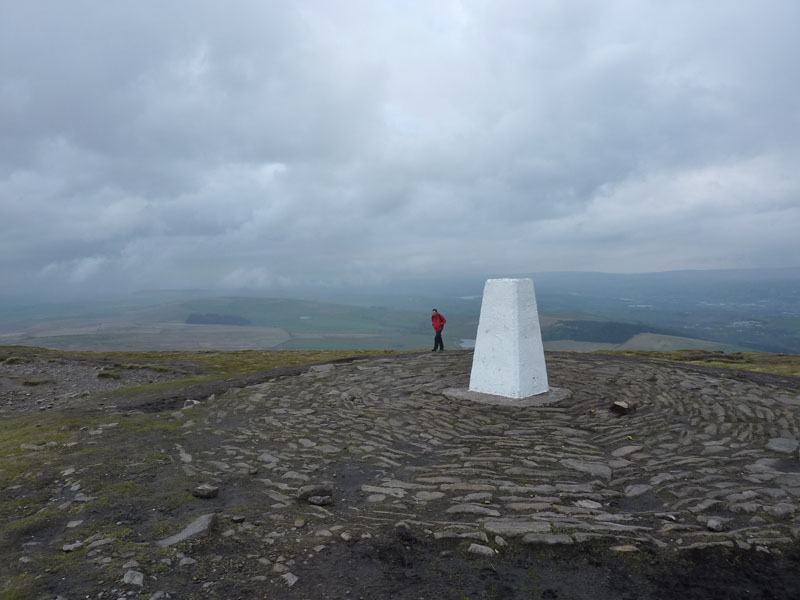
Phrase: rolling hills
x=292 y=324
x=713 y=310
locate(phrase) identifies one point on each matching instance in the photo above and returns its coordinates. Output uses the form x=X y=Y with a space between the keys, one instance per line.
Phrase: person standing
x=438 y=321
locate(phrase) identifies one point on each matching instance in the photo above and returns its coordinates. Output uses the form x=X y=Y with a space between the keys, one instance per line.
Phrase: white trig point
x=509 y=357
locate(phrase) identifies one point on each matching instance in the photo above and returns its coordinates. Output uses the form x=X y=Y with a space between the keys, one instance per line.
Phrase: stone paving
x=704 y=460
x=287 y=471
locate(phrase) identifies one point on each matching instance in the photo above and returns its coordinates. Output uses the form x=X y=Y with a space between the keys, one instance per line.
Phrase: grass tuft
x=759 y=362
x=34 y=381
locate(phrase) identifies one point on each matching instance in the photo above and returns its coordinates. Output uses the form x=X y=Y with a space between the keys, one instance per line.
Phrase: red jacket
x=438 y=321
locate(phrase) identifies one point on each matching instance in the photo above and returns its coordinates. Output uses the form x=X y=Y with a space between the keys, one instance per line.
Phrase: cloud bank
x=266 y=145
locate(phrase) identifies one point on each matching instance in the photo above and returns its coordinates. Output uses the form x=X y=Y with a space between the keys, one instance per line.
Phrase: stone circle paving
x=697 y=448
x=297 y=465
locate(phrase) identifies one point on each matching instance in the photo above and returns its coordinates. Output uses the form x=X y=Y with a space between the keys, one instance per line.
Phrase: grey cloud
x=271 y=144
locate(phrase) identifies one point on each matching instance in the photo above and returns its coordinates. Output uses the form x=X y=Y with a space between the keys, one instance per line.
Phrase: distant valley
x=711 y=310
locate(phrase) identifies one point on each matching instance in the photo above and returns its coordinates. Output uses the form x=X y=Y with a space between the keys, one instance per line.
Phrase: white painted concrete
x=509 y=357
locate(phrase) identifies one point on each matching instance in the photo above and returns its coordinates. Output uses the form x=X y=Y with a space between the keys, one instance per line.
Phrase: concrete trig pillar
x=509 y=357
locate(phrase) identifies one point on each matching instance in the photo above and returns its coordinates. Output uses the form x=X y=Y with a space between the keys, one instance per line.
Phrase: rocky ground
x=363 y=480
x=29 y=382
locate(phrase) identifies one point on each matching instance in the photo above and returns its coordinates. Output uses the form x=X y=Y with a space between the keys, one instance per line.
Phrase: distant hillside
x=215 y=319
x=750 y=308
x=609 y=332
x=744 y=309
x=669 y=343
x=757 y=309
x=291 y=324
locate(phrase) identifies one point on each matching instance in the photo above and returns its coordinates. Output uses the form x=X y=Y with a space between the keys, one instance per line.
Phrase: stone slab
x=553 y=395
x=514 y=527
x=592 y=468
x=200 y=526
x=785 y=445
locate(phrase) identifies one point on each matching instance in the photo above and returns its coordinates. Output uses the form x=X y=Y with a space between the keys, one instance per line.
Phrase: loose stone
x=715 y=524
x=133 y=578
x=425 y=495
x=780 y=511
x=98 y=543
x=471 y=509
x=320 y=500
x=509 y=527
x=623 y=407
x=481 y=550
x=592 y=468
x=546 y=538
x=624 y=548
x=200 y=526
x=72 y=547
x=782 y=445
x=637 y=490
x=386 y=491
x=625 y=451
x=477 y=497
x=205 y=490
x=318 y=489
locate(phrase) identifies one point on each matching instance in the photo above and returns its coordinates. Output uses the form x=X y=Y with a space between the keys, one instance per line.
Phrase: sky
x=265 y=144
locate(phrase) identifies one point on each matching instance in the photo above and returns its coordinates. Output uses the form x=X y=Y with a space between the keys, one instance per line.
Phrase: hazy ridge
x=583 y=311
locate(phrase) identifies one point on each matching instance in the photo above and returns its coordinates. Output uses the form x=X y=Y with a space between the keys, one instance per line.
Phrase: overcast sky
x=257 y=144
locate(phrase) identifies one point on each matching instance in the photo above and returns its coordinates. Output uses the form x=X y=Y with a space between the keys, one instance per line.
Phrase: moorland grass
x=236 y=362
x=195 y=366
x=760 y=362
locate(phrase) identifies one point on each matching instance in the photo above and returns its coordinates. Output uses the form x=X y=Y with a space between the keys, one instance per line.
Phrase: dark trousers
x=438 y=344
